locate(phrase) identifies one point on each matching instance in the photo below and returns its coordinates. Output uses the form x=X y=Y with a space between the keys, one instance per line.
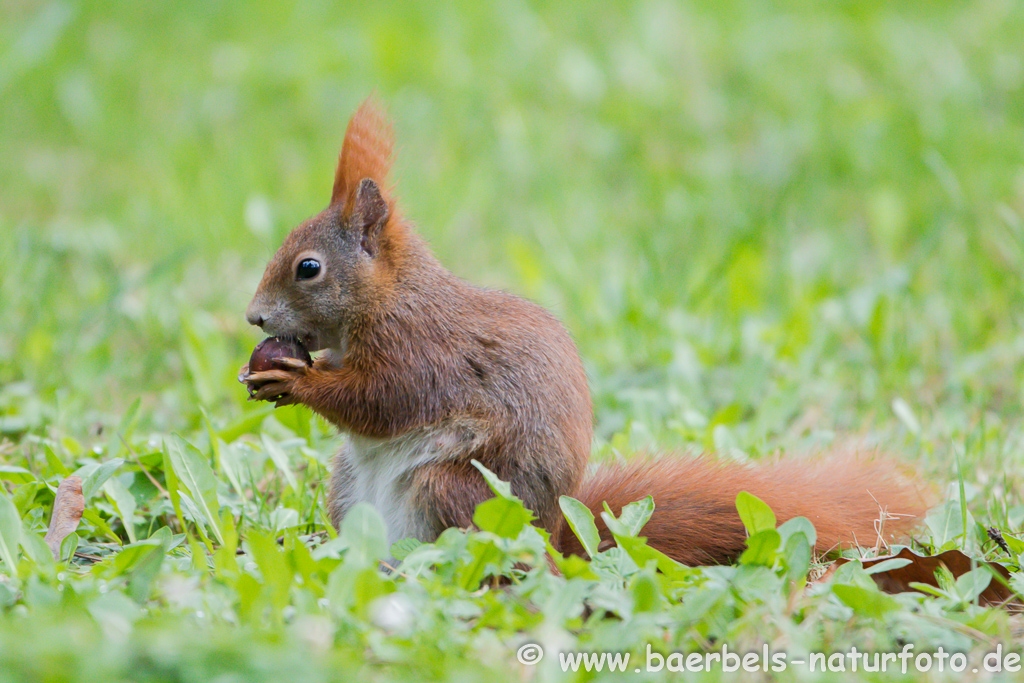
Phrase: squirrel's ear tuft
x=365 y=153
x=369 y=215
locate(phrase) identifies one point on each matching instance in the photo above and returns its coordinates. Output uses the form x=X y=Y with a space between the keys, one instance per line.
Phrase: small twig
x=138 y=462
x=87 y=556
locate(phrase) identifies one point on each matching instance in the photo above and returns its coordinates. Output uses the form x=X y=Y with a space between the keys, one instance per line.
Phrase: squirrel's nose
x=254 y=317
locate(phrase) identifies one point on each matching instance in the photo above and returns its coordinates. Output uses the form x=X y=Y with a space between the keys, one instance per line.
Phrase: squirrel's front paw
x=277 y=384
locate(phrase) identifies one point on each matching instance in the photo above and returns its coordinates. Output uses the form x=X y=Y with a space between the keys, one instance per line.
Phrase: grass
x=770 y=229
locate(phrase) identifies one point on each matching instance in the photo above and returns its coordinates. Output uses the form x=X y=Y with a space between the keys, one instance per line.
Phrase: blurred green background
x=768 y=225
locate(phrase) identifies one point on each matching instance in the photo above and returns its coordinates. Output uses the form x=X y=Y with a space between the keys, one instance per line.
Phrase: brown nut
x=271 y=348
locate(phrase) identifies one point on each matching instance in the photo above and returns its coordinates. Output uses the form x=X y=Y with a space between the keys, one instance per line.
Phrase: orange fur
x=695 y=519
x=365 y=153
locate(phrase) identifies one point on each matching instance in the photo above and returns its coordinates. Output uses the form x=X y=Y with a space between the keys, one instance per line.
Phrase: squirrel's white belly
x=382 y=472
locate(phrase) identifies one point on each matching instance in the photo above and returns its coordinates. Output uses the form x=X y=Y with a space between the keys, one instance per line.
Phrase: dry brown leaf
x=68 y=506
x=922 y=570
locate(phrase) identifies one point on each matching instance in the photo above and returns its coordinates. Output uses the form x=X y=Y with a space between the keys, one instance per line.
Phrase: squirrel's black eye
x=308 y=269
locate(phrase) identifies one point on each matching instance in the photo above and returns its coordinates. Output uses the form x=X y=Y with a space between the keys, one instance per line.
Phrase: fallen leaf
x=68 y=506
x=921 y=569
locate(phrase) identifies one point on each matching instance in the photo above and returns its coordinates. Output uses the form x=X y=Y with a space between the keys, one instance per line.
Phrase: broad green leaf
x=38 y=595
x=128 y=558
x=197 y=551
x=500 y=488
x=147 y=568
x=970 y=585
x=90 y=515
x=277 y=576
x=1015 y=544
x=193 y=471
x=930 y=590
x=866 y=602
x=798 y=525
x=284 y=518
x=503 y=517
x=280 y=459
x=17 y=475
x=140 y=562
x=887 y=565
x=365 y=535
x=946 y=523
x=798 y=537
x=250 y=422
x=68 y=546
x=36 y=549
x=334 y=549
x=249 y=591
x=646 y=592
x=296 y=419
x=762 y=548
x=309 y=571
x=350 y=588
x=232 y=463
x=367 y=588
x=194 y=514
x=124 y=503
x=228 y=529
x=643 y=554
x=115 y=613
x=95 y=475
x=173 y=487
x=24 y=496
x=483 y=552
x=853 y=573
x=635 y=515
x=225 y=563
x=10 y=534
x=170 y=541
x=54 y=464
x=572 y=566
x=581 y=521
x=401 y=549
x=797 y=555
x=754 y=512
x=636 y=548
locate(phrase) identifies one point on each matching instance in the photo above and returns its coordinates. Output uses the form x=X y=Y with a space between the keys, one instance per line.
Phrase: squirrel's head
x=337 y=265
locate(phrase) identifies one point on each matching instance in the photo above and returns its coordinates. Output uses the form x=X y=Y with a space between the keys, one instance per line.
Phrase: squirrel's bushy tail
x=849 y=498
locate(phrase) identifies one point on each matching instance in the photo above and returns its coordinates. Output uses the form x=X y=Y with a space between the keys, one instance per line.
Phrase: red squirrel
x=426 y=372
